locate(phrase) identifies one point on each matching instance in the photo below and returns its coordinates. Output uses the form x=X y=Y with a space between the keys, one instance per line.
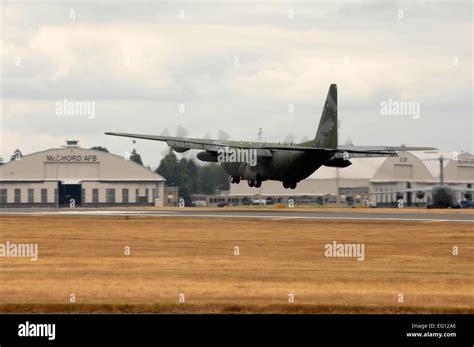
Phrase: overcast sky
x=236 y=67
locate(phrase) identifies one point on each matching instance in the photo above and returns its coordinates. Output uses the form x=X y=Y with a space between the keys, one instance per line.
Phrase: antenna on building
x=441 y=168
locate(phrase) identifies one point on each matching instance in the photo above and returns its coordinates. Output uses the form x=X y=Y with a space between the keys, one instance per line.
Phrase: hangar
x=75 y=176
x=420 y=170
x=373 y=175
x=402 y=172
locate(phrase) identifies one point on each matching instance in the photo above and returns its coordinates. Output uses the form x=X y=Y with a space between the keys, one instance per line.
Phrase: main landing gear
x=252 y=183
x=257 y=183
x=234 y=179
x=291 y=185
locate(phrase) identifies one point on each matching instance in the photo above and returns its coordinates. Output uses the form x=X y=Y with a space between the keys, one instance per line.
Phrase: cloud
x=236 y=67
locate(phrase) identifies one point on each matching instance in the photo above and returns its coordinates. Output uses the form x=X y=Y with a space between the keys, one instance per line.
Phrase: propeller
x=289 y=139
x=164 y=152
x=165 y=132
x=348 y=143
x=223 y=135
x=181 y=132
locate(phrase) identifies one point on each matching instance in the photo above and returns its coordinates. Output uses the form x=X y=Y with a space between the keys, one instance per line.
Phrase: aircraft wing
x=264 y=149
x=460 y=189
x=193 y=143
x=406 y=190
x=378 y=151
x=423 y=189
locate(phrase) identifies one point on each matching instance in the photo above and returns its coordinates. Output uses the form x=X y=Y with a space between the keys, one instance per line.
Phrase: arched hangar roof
x=75 y=163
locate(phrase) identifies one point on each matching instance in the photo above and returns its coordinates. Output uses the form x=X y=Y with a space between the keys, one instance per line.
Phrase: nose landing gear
x=291 y=185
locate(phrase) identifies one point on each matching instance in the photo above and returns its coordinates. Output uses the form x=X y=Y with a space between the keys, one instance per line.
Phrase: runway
x=410 y=215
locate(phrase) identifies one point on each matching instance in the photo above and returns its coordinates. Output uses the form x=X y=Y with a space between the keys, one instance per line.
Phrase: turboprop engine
x=338 y=162
x=180 y=149
x=420 y=194
x=207 y=156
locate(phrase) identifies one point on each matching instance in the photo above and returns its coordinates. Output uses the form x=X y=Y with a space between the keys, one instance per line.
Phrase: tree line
x=192 y=178
x=186 y=174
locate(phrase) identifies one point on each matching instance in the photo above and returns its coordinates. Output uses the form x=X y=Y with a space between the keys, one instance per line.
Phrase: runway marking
x=333 y=218
x=90 y=213
x=284 y=217
x=158 y=214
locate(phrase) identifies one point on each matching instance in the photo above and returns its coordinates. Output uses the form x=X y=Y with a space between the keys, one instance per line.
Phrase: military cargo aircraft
x=287 y=163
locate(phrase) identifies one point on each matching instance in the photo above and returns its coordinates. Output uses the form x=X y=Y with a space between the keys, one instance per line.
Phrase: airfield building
x=79 y=176
x=357 y=183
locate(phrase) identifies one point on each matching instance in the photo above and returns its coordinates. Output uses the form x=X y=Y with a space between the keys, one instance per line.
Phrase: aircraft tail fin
x=326 y=136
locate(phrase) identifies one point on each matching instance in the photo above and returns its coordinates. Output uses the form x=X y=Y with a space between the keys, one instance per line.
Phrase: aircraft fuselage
x=443 y=196
x=284 y=166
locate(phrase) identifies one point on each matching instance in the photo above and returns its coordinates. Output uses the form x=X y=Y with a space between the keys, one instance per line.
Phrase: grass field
x=196 y=257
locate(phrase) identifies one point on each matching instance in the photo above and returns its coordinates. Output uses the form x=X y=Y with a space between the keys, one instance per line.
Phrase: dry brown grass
x=84 y=256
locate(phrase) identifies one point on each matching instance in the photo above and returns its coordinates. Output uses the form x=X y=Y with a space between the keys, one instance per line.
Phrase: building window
x=83 y=196
x=95 y=196
x=44 y=195
x=31 y=195
x=56 y=196
x=125 y=195
x=146 y=195
x=137 y=195
x=3 y=196
x=110 y=195
x=17 y=196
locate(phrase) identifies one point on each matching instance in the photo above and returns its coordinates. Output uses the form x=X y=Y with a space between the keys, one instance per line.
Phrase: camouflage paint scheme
x=288 y=163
